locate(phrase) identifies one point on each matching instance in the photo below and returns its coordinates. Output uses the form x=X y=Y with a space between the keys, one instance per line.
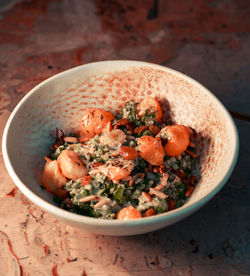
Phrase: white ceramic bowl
x=60 y=101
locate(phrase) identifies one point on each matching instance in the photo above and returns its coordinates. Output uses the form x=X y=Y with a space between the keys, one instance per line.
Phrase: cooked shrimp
x=112 y=172
x=53 y=180
x=71 y=165
x=128 y=213
x=178 y=139
x=128 y=153
x=152 y=105
x=151 y=149
x=94 y=120
x=115 y=169
x=117 y=173
x=114 y=138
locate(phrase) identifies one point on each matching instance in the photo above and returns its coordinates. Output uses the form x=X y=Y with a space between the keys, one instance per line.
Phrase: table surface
x=208 y=40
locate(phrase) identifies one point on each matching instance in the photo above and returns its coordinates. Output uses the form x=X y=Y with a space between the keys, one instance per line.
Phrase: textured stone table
x=206 y=39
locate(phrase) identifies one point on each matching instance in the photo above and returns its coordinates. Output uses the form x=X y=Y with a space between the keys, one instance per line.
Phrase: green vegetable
x=148 y=118
x=128 y=111
x=118 y=195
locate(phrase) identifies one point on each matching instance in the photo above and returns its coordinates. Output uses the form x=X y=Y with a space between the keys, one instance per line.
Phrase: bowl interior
x=60 y=101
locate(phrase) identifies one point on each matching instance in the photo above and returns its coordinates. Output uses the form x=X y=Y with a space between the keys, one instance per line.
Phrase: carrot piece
x=154 y=129
x=150 y=212
x=121 y=122
x=140 y=129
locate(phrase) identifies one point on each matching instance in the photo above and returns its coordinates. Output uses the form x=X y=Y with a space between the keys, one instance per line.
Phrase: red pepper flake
x=12 y=193
x=140 y=129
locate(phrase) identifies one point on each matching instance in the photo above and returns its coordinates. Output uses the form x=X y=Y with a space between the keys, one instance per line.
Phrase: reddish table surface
x=206 y=39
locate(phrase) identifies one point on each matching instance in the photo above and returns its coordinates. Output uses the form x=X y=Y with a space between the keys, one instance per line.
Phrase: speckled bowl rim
x=66 y=215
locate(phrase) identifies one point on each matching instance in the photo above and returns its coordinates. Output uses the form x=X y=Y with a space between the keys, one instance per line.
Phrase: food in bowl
x=60 y=101
x=127 y=166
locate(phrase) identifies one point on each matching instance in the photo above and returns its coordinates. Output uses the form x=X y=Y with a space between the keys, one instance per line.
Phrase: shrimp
x=128 y=153
x=150 y=104
x=71 y=165
x=94 y=121
x=117 y=173
x=115 y=169
x=151 y=149
x=114 y=138
x=128 y=213
x=53 y=180
x=178 y=139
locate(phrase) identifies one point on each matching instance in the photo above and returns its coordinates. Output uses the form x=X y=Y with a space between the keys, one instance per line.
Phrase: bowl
x=60 y=101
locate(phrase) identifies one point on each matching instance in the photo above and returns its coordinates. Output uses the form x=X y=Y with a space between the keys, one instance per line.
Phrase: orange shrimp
x=53 y=180
x=150 y=104
x=71 y=165
x=151 y=149
x=94 y=121
x=115 y=169
x=128 y=213
x=128 y=153
x=178 y=139
x=117 y=173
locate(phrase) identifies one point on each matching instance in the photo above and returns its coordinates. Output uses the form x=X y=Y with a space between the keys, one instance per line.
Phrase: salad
x=127 y=166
